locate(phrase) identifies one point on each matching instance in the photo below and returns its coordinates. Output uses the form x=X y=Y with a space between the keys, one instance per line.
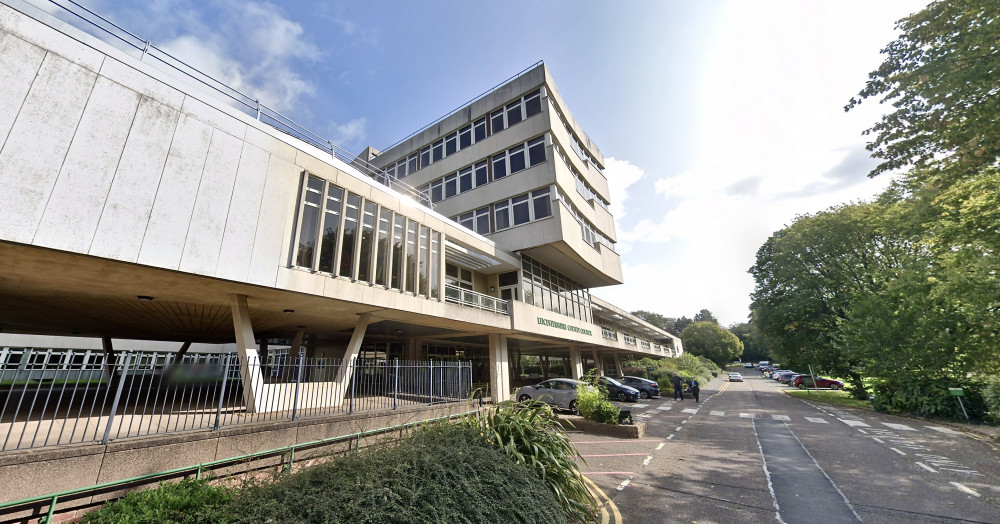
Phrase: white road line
x=670 y=437
x=900 y=427
x=925 y=466
x=746 y=415
x=690 y=410
x=665 y=408
x=648 y=460
x=718 y=413
x=898 y=451
x=946 y=431
x=637 y=406
x=880 y=441
x=853 y=423
x=678 y=428
x=781 y=417
x=817 y=420
x=624 y=483
x=660 y=445
x=970 y=491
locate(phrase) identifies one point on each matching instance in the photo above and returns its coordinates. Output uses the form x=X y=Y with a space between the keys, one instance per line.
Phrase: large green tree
x=708 y=340
x=754 y=347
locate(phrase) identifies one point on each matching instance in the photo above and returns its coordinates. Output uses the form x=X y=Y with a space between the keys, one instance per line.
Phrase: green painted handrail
x=198 y=468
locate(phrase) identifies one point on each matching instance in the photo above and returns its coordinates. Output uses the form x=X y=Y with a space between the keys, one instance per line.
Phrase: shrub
x=594 y=405
x=187 y=501
x=991 y=396
x=441 y=473
x=929 y=397
x=530 y=433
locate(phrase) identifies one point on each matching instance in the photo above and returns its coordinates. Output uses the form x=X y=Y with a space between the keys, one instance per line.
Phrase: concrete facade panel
x=60 y=471
x=270 y=144
x=244 y=213
x=19 y=62
x=144 y=84
x=211 y=208
x=48 y=38
x=34 y=150
x=275 y=222
x=170 y=217
x=126 y=213
x=214 y=117
x=74 y=208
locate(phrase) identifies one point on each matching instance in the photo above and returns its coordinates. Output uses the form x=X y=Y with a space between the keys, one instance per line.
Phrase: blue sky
x=721 y=120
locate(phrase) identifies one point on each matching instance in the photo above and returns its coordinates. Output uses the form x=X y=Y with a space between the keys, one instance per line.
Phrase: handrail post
x=430 y=384
x=354 y=371
x=298 y=381
x=118 y=396
x=258 y=108
x=222 y=391
x=395 y=384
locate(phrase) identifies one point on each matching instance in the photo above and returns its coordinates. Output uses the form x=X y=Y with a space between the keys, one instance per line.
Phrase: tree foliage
x=708 y=340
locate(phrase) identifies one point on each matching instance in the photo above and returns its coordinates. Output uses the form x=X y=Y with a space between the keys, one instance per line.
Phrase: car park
x=560 y=393
x=619 y=391
x=735 y=377
x=647 y=388
x=806 y=381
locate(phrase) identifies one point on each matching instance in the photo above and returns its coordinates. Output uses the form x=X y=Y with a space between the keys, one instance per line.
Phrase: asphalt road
x=749 y=453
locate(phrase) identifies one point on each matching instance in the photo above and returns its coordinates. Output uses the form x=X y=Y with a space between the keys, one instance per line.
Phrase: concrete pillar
x=618 y=365
x=499 y=366
x=544 y=361
x=598 y=364
x=576 y=363
x=246 y=346
x=346 y=369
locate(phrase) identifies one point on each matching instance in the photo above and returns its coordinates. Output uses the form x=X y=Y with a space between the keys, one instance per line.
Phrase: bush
x=187 y=501
x=991 y=396
x=594 y=405
x=929 y=397
x=441 y=473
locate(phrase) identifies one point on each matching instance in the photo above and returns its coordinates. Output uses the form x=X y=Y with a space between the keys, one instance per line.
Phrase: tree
x=708 y=340
x=754 y=347
x=940 y=75
x=705 y=316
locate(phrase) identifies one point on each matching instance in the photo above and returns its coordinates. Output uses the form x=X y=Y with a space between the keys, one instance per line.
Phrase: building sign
x=560 y=325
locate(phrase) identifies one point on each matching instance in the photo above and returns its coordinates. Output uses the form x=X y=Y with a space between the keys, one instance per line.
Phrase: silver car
x=556 y=392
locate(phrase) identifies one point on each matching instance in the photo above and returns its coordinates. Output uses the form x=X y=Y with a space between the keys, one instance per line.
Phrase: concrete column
x=598 y=364
x=618 y=365
x=576 y=362
x=246 y=346
x=346 y=370
x=543 y=360
x=499 y=374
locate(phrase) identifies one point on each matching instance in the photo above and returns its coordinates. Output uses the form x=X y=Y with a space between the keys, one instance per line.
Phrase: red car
x=804 y=381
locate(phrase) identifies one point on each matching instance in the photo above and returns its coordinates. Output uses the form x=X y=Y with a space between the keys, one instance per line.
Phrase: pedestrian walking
x=695 y=389
x=678 y=390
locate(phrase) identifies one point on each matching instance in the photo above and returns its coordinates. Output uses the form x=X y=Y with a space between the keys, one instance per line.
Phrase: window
x=513 y=113
x=516 y=159
x=382 y=246
x=351 y=215
x=536 y=151
x=401 y=169
x=411 y=256
x=435 y=264
x=331 y=228
x=457 y=276
x=483 y=220
x=437 y=188
x=451 y=185
x=310 y=222
x=532 y=104
x=521 y=210
x=367 y=240
x=541 y=204
x=422 y=262
x=465 y=180
x=496 y=121
x=479 y=129
x=411 y=164
x=398 y=228
x=499 y=166
x=502 y=215
x=466 y=220
x=437 y=151
x=465 y=137
x=482 y=173
x=425 y=157
x=390 y=171
x=451 y=144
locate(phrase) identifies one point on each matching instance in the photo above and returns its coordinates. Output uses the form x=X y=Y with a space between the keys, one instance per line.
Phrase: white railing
x=469 y=298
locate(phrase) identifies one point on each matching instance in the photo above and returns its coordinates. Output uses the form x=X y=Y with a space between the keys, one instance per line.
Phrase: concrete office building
x=139 y=205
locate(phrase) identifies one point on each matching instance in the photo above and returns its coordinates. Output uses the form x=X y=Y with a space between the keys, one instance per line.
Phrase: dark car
x=619 y=391
x=647 y=388
x=806 y=381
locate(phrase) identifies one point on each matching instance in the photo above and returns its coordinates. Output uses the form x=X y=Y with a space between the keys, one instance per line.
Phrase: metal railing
x=55 y=397
x=120 y=38
x=609 y=334
x=469 y=298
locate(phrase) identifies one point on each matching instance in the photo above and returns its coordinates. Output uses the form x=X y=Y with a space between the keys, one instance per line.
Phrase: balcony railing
x=469 y=298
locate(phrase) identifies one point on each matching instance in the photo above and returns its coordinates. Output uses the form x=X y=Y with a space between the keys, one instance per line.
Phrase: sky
x=720 y=121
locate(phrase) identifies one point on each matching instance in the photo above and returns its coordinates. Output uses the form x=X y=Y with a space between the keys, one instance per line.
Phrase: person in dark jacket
x=695 y=389
x=678 y=387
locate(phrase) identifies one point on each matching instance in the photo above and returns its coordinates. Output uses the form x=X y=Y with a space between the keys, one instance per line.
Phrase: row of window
x=514 y=211
x=343 y=234
x=589 y=233
x=546 y=288
x=506 y=116
x=513 y=160
x=575 y=144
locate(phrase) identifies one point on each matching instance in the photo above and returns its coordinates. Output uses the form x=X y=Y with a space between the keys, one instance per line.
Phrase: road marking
x=781 y=417
x=817 y=420
x=643 y=415
x=670 y=437
x=615 y=455
x=718 y=413
x=746 y=415
x=880 y=441
x=637 y=406
x=900 y=427
x=624 y=483
x=678 y=428
x=925 y=466
x=665 y=408
x=946 y=431
x=853 y=423
x=589 y=473
x=690 y=410
x=660 y=446
x=608 y=503
x=647 y=461
x=961 y=487
x=622 y=441
x=894 y=449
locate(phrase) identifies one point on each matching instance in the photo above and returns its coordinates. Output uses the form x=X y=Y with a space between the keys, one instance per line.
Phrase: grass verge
x=839 y=397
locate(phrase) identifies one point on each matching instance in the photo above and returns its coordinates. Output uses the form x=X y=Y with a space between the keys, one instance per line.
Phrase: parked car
x=557 y=392
x=735 y=377
x=748 y=365
x=784 y=378
x=647 y=388
x=619 y=391
x=804 y=381
x=776 y=373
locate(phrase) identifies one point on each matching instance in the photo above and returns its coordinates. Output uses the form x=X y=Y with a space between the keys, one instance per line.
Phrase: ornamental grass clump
x=530 y=433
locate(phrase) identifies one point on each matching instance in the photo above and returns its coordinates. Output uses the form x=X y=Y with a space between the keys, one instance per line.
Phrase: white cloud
x=621 y=175
x=351 y=135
